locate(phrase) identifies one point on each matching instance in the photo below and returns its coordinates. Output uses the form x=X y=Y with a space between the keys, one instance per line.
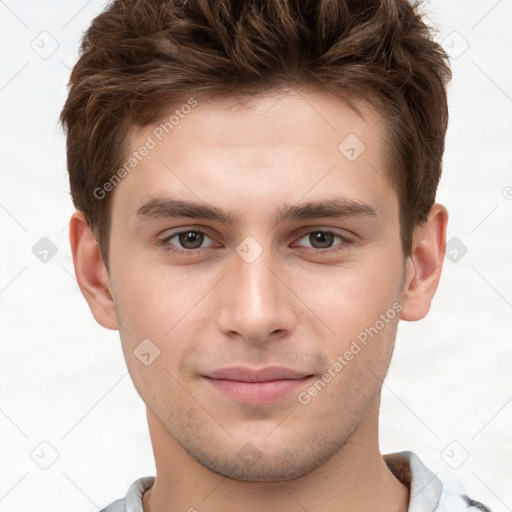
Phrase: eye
x=186 y=241
x=191 y=241
x=323 y=239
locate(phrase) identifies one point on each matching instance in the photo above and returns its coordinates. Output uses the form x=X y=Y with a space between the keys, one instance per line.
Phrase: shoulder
x=116 y=506
x=133 y=500
x=428 y=492
x=454 y=497
x=450 y=502
x=474 y=505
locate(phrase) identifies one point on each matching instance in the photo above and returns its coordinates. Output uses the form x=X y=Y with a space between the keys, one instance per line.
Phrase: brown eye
x=191 y=239
x=322 y=239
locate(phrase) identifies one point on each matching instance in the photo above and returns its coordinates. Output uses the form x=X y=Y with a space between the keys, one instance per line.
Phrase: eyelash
x=197 y=252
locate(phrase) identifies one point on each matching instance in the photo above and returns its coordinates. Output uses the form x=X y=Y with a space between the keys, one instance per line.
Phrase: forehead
x=289 y=144
x=276 y=118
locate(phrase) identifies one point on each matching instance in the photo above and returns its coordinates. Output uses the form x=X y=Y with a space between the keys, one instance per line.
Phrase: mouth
x=256 y=386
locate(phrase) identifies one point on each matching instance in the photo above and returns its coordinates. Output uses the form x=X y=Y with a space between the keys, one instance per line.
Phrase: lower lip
x=257 y=392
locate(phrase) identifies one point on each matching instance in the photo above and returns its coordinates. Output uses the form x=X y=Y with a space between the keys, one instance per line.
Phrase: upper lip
x=245 y=374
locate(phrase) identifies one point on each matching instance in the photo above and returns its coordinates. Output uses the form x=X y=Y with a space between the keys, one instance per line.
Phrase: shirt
x=427 y=492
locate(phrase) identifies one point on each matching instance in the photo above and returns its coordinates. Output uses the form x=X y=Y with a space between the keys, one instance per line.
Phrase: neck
x=356 y=478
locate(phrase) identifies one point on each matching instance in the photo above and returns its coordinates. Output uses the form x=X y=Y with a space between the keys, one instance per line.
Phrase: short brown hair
x=139 y=57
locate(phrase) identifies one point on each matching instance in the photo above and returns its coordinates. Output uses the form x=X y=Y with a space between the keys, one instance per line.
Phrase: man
x=255 y=189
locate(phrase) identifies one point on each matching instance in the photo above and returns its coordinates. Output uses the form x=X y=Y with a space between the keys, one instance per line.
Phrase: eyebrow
x=168 y=208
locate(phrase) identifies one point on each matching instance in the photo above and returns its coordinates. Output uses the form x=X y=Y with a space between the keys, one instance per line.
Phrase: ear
x=424 y=265
x=90 y=271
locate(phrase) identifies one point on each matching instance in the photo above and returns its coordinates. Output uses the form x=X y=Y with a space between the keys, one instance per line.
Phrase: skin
x=293 y=306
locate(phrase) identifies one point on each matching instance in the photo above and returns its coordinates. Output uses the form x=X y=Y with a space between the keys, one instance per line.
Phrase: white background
x=63 y=378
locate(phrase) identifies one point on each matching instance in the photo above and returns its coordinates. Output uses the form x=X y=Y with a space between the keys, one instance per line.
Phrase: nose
x=255 y=302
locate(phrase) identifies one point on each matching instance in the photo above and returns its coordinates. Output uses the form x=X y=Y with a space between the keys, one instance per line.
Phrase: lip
x=256 y=386
x=266 y=374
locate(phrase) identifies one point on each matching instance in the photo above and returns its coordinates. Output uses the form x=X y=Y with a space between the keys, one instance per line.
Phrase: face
x=256 y=269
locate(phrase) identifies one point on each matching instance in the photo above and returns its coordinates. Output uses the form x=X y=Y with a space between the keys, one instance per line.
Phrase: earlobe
x=90 y=272
x=424 y=265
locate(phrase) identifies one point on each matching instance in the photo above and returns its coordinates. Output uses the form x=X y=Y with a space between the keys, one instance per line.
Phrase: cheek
x=155 y=298
x=162 y=305
x=349 y=299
